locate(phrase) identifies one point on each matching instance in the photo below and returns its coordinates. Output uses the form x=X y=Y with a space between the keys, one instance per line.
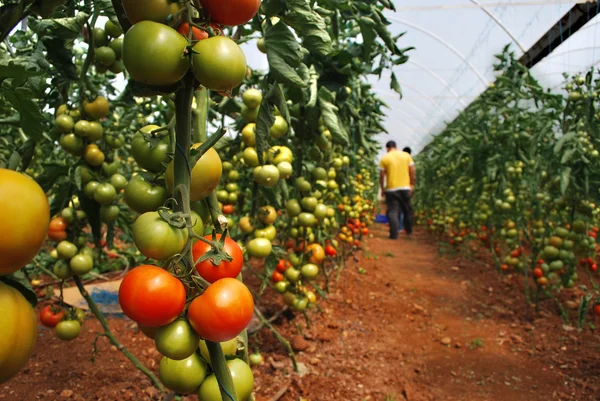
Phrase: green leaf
x=563 y=139
x=313 y=87
x=29 y=111
x=264 y=121
x=62 y=194
x=368 y=33
x=64 y=28
x=309 y=25
x=18 y=281
x=61 y=57
x=284 y=54
x=50 y=173
x=329 y=112
x=395 y=86
x=566 y=157
x=565 y=178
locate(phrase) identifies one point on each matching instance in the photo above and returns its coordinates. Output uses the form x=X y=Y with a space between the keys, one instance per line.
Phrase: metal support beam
x=570 y=23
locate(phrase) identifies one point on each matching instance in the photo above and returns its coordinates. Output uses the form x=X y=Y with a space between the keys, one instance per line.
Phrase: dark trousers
x=399 y=201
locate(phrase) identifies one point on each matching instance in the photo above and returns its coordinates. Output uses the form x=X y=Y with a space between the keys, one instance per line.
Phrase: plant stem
x=201 y=115
x=111 y=337
x=222 y=372
x=279 y=337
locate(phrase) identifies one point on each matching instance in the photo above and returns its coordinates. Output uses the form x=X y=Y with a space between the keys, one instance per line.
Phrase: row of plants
x=518 y=172
x=210 y=169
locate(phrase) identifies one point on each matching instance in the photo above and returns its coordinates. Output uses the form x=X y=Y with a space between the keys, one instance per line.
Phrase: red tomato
x=222 y=311
x=365 y=231
x=538 y=272
x=277 y=276
x=280 y=267
x=197 y=33
x=593 y=267
x=504 y=267
x=57 y=235
x=597 y=310
x=208 y=270
x=540 y=261
x=151 y=296
x=590 y=261
x=58 y=224
x=356 y=242
x=583 y=262
x=330 y=251
x=228 y=209
x=49 y=318
x=231 y=12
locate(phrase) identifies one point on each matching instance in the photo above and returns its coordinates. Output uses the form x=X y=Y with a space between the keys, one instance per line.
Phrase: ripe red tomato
x=277 y=276
x=151 y=296
x=228 y=209
x=58 y=224
x=222 y=311
x=197 y=33
x=280 y=267
x=208 y=270
x=593 y=267
x=538 y=272
x=49 y=318
x=231 y=12
x=330 y=251
x=597 y=310
x=365 y=231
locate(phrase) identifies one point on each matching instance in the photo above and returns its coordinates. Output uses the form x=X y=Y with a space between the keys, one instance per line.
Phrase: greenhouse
x=250 y=200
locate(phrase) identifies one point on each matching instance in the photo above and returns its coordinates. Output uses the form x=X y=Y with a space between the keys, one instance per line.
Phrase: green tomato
x=177 y=340
x=149 y=152
x=105 y=194
x=64 y=123
x=309 y=203
x=62 y=270
x=66 y=250
x=113 y=29
x=156 y=239
x=279 y=128
x=68 y=214
x=252 y=98
x=96 y=131
x=68 y=330
x=259 y=247
x=81 y=264
x=72 y=144
x=292 y=274
x=255 y=359
x=307 y=219
x=118 y=181
x=281 y=287
x=267 y=175
x=218 y=63
x=182 y=376
x=293 y=207
x=243 y=382
x=154 y=53
x=109 y=213
x=285 y=170
x=309 y=271
x=144 y=197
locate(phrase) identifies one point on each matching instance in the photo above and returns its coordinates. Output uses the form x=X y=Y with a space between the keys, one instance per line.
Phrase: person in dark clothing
x=398 y=175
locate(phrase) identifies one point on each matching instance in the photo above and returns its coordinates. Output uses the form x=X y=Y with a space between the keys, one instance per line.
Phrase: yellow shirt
x=396 y=164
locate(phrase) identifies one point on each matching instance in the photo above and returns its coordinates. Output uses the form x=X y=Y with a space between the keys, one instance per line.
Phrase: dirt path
x=412 y=326
x=418 y=327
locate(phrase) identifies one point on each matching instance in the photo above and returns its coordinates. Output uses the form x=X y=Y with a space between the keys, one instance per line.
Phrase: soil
x=401 y=323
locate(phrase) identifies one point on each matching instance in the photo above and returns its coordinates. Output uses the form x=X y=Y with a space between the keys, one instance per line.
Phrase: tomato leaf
x=265 y=120
x=18 y=281
x=368 y=33
x=313 y=87
x=565 y=178
x=329 y=112
x=309 y=25
x=395 y=86
x=29 y=111
x=64 y=28
x=284 y=54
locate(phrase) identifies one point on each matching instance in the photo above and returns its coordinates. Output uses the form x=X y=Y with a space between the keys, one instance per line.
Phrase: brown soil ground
x=401 y=324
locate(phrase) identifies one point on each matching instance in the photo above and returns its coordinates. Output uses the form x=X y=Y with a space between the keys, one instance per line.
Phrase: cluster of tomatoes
x=66 y=325
x=108 y=47
x=217 y=62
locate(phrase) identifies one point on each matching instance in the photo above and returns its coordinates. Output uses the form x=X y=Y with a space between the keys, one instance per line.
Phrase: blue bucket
x=381 y=218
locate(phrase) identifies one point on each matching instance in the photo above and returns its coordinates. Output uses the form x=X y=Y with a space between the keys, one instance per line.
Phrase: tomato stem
x=111 y=337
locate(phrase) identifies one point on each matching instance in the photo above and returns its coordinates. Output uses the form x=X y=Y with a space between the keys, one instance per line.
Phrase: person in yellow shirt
x=398 y=174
